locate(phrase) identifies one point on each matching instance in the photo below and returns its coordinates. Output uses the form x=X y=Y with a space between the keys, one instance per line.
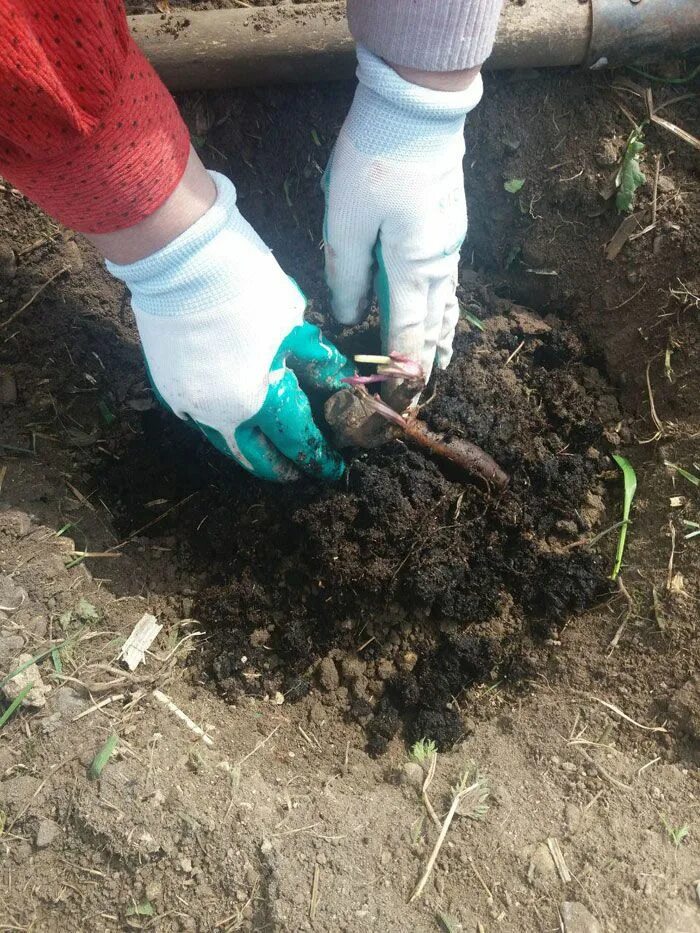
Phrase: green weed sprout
x=423 y=751
x=630 y=480
x=630 y=177
x=102 y=757
x=676 y=834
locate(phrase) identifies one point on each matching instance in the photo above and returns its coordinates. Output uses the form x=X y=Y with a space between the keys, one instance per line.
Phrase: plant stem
x=459 y=796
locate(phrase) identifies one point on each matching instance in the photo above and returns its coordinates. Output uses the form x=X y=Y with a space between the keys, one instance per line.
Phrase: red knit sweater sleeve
x=87 y=129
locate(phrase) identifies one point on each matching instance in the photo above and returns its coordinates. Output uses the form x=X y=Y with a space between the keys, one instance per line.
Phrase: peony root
x=363 y=420
x=469 y=457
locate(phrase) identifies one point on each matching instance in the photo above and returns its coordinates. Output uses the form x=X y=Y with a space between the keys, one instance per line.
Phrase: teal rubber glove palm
x=395 y=203
x=226 y=345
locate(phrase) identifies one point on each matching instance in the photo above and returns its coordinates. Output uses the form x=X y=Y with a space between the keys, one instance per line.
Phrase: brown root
x=356 y=422
x=464 y=454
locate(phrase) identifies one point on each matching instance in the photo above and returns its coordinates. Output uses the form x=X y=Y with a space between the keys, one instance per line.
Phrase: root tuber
x=359 y=419
x=469 y=457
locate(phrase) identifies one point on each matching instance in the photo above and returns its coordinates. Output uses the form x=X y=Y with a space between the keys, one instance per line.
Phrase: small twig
x=258 y=746
x=657 y=169
x=514 y=353
x=593 y=800
x=36 y=294
x=100 y=705
x=648 y=765
x=426 y=784
x=35 y=245
x=602 y=771
x=669 y=576
x=436 y=849
x=627 y=300
x=625 y=617
x=481 y=881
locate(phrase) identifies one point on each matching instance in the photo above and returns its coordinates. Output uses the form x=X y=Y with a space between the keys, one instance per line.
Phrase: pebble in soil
x=402 y=558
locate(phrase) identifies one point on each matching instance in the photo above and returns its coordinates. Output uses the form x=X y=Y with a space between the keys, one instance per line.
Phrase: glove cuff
x=412 y=99
x=394 y=118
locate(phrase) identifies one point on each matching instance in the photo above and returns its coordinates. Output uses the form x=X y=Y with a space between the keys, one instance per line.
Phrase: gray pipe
x=290 y=43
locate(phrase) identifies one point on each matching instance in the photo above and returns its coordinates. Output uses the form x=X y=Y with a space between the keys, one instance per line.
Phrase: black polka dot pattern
x=87 y=129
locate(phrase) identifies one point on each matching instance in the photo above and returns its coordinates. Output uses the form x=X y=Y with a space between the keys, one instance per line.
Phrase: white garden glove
x=395 y=197
x=219 y=321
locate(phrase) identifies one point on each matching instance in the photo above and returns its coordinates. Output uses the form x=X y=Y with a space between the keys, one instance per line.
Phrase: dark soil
x=402 y=556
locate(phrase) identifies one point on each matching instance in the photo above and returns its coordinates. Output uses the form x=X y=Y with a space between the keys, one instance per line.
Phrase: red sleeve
x=87 y=129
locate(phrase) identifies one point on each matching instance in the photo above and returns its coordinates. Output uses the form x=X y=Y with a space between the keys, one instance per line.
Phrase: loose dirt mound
x=434 y=583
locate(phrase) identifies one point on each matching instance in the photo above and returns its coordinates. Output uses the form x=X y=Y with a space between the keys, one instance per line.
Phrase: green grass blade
x=15 y=704
x=473 y=319
x=630 y=480
x=102 y=757
x=694 y=525
x=23 y=667
x=659 y=79
x=686 y=474
x=40 y=657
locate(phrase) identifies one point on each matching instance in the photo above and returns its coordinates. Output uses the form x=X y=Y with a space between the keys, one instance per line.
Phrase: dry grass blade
x=677 y=131
x=34 y=296
x=661 y=429
x=426 y=784
x=315 y=895
x=258 y=746
x=652 y=114
x=159 y=518
x=670 y=575
x=619 y=712
x=559 y=861
x=183 y=717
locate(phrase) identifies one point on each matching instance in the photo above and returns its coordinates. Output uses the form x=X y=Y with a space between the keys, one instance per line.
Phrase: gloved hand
x=224 y=338
x=395 y=196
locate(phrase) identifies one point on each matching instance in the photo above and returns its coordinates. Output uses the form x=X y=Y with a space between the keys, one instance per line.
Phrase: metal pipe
x=291 y=43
